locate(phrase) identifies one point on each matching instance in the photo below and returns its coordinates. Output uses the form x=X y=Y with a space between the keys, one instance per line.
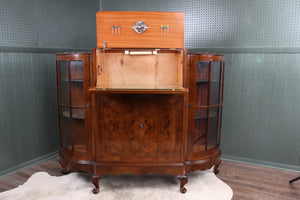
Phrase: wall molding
x=248 y=50
x=39 y=50
x=28 y=164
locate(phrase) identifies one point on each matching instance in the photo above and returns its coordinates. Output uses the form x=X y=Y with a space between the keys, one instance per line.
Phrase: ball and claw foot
x=183 y=180
x=95 y=181
x=64 y=164
x=183 y=190
x=96 y=190
x=65 y=172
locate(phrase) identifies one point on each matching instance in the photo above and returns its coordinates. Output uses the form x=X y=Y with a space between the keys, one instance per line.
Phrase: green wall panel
x=262 y=107
x=228 y=24
x=59 y=24
x=28 y=122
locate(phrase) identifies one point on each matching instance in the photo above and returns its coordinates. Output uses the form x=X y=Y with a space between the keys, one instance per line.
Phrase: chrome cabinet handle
x=140 y=27
x=141 y=125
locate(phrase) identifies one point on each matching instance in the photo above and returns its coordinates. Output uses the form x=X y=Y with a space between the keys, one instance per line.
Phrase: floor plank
x=248 y=182
x=257 y=182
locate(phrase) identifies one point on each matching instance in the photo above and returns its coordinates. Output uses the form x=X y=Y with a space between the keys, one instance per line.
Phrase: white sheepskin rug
x=78 y=186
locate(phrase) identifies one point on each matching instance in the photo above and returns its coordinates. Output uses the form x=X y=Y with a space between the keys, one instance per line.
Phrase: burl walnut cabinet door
x=139 y=127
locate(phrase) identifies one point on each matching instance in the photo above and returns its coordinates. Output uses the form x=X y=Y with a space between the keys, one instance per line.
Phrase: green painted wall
x=28 y=121
x=31 y=32
x=262 y=108
x=48 y=24
x=261 y=41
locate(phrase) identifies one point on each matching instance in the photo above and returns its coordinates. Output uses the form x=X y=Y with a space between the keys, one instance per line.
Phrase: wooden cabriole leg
x=95 y=181
x=64 y=164
x=216 y=171
x=183 y=180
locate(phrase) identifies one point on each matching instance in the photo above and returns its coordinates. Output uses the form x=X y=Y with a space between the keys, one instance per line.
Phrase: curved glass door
x=208 y=103
x=71 y=105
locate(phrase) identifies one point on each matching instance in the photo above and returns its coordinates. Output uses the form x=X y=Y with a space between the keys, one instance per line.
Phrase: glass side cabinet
x=205 y=103
x=73 y=104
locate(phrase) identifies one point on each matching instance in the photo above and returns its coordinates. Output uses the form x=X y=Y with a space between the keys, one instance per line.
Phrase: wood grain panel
x=28 y=121
x=115 y=69
x=141 y=127
x=151 y=38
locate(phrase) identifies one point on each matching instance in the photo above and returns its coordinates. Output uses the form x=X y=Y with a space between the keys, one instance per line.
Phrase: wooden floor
x=247 y=181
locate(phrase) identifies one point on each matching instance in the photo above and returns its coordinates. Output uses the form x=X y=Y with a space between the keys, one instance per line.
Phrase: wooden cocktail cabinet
x=140 y=103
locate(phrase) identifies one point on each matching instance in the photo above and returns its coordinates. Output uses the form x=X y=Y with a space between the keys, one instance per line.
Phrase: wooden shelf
x=203 y=115
x=202 y=81
x=73 y=80
x=77 y=148
x=157 y=90
x=206 y=81
x=201 y=147
x=76 y=114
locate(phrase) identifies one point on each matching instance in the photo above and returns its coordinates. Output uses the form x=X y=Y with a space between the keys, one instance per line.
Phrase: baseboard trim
x=274 y=165
x=28 y=164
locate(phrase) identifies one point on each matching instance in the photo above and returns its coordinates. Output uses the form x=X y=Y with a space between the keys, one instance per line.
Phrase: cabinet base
x=98 y=169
